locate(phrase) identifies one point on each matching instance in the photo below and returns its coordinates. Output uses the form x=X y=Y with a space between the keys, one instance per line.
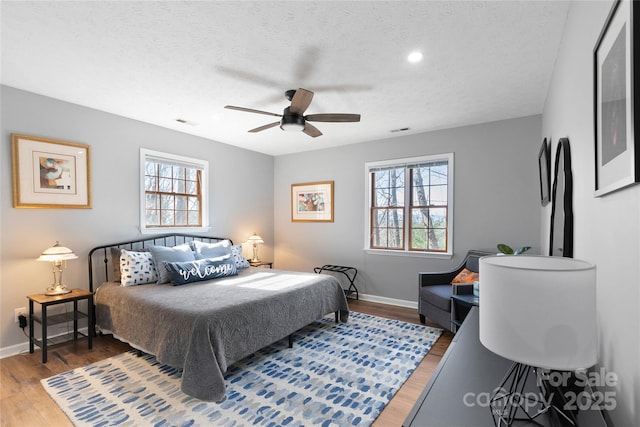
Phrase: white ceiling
x=157 y=61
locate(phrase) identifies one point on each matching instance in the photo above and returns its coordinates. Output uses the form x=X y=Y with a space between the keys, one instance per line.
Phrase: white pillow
x=211 y=250
x=137 y=268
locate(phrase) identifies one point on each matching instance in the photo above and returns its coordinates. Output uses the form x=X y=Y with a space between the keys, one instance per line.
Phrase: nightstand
x=265 y=264
x=47 y=300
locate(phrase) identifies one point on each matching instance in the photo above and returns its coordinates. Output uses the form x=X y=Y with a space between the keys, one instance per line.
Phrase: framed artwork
x=312 y=202
x=50 y=174
x=544 y=163
x=616 y=113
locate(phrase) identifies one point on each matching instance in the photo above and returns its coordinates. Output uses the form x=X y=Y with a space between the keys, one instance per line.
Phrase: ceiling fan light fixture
x=292 y=127
x=292 y=122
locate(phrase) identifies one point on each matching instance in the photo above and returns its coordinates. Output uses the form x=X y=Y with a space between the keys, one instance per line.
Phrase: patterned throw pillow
x=236 y=253
x=204 y=269
x=466 y=276
x=137 y=268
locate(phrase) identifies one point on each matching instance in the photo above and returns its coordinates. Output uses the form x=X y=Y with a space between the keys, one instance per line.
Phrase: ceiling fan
x=292 y=119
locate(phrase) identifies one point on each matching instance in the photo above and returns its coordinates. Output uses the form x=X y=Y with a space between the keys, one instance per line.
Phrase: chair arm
x=441 y=278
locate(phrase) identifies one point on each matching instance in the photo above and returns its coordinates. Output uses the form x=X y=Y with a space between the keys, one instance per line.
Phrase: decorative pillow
x=137 y=268
x=211 y=250
x=238 y=259
x=466 y=276
x=161 y=254
x=115 y=261
x=204 y=269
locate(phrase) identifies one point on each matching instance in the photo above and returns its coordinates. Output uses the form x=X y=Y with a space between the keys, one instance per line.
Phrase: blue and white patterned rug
x=335 y=375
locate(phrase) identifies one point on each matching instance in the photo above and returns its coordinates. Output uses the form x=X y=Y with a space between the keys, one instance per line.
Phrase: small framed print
x=50 y=174
x=312 y=202
x=617 y=117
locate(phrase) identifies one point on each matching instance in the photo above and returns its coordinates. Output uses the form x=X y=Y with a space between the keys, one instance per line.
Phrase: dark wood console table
x=466 y=370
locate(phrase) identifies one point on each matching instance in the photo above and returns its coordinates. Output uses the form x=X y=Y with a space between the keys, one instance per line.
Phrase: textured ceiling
x=161 y=61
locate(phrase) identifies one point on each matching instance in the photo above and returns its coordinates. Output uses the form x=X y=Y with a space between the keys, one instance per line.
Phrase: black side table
x=461 y=306
x=47 y=300
x=265 y=264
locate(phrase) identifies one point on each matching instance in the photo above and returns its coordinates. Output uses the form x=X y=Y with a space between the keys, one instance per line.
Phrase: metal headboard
x=104 y=252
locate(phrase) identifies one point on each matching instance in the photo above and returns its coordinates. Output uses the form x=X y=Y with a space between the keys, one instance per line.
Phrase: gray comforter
x=204 y=327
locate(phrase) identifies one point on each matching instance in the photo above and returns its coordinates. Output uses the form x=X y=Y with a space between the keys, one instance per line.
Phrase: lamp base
x=509 y=397
x=57 y=290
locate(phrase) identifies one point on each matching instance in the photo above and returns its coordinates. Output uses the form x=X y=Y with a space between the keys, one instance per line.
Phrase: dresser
x=458 y=391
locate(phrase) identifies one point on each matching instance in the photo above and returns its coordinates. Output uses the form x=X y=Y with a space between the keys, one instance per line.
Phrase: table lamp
x=255 y=240
x=56 y=254
x=539 y=312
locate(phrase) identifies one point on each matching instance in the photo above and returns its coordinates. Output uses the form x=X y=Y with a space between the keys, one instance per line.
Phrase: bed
x=205 y=326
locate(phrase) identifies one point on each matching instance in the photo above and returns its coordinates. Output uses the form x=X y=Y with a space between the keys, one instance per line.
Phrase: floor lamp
x=539 y=312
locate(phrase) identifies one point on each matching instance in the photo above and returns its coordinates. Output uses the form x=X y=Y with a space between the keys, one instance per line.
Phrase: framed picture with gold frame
x=312 y=202
x=50 y=174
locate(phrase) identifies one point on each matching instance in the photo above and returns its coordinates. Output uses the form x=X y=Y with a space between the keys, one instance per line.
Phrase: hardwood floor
x=23 y=401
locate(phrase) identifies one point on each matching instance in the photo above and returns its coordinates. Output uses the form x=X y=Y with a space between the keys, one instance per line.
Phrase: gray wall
x=607 y=231
x=496 y=200
x=241 y=193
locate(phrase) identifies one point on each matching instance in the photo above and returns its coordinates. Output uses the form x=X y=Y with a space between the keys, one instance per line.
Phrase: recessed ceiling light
x=414 y=57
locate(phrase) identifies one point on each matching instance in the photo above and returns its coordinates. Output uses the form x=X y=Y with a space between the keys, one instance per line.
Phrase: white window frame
x=203 y=165
x=367 y=206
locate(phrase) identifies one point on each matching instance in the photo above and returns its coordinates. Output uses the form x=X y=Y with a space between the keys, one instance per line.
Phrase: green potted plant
x=507 y=250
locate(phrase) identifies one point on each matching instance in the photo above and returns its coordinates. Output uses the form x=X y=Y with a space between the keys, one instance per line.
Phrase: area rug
x=335 y=375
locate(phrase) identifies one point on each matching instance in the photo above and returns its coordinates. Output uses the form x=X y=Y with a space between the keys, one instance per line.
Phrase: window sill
x=409 y=254
x=186 y=230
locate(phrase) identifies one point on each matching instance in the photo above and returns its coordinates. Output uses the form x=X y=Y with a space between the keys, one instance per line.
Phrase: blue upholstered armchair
x=435 y=290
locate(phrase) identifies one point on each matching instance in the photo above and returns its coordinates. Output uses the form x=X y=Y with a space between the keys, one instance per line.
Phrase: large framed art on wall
x=312 y=202
x=50 y=174
x=616 y=83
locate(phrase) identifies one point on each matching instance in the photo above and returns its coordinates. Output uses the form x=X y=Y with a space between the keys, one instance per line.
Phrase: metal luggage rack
x=349 y=272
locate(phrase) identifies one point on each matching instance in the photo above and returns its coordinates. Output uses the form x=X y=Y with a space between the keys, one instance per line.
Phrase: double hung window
x=410 y=204
x=174 y=193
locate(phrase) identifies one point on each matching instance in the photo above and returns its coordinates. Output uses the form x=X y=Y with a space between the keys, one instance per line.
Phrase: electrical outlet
x=17 y=312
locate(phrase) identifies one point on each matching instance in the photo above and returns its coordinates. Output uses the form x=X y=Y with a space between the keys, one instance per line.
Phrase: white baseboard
x=12 y=350
x=389 y=301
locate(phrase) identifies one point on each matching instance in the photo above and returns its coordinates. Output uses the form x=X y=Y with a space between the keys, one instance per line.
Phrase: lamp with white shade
x=255 y=240
x=539 y=312
x=56 y=255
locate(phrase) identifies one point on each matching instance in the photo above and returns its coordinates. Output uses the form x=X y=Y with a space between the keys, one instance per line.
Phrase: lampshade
x=57 y=253
x=539 y=310
x=255 y=239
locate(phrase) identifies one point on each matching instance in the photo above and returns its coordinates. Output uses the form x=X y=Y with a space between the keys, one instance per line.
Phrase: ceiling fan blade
x=301 y=101
x=249 y=76
x=251 y=110
x=311 y=130
x=333 y=117
x=264 y=127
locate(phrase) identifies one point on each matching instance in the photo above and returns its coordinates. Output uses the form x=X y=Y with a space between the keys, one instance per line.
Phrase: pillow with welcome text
x=185 y=272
